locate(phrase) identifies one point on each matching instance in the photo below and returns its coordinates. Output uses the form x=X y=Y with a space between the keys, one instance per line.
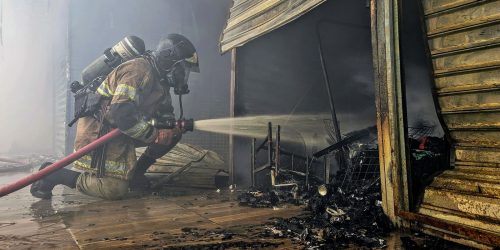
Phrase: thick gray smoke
x=31 y=66
x=39 y=39
x=45 y=44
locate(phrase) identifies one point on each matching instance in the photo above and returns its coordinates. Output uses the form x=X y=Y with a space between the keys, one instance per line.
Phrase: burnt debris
x=337 y=219
x=344 y=211
x=258 y=199
x=338 y=216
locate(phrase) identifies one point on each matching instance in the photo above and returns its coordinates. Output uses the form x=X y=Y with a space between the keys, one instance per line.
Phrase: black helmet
x=175 y=48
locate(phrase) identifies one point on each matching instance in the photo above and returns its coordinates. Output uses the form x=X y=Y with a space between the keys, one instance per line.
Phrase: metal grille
x=364 y=168
x=420 y=131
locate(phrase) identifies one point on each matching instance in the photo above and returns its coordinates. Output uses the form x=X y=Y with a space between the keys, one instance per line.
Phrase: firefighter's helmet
x=173 y=49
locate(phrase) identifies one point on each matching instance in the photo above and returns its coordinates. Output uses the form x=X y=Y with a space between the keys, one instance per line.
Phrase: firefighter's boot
x=42 y=188
x=139 y=180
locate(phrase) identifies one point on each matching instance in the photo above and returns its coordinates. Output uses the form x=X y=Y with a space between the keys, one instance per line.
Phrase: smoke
x=417 y=77
x=1 y=17
x=41 y=38
x=281 y=73
x=30 y=34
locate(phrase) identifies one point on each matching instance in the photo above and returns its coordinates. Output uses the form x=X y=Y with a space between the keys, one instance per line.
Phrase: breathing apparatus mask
x=174 y=59
x=178 y=77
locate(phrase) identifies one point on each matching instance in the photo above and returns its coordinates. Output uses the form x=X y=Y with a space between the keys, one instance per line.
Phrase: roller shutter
x=464 y=41
x=249 y=19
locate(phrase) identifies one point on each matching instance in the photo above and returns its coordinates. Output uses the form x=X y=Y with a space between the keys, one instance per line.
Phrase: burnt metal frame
x=345 y=161
x=274 y=152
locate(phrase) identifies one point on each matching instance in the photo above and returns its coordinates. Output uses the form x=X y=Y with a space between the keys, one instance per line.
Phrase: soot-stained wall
x=280 y=72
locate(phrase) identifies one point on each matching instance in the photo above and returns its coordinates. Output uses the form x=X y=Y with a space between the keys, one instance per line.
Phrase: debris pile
x=338 y=219
x=349 y=210
x=335 y=218
x=293 y=194
x=259 y=199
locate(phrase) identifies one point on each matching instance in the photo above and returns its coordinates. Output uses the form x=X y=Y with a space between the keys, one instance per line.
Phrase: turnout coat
x=132 y=95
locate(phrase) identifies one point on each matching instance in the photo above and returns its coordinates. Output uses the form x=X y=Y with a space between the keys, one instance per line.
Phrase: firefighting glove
x=168 y=137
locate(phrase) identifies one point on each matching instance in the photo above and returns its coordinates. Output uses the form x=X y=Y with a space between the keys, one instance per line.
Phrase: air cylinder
x=128 y=48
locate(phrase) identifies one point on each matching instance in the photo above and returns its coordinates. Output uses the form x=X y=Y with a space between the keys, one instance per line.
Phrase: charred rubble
x=339 y=218
x=347 y=211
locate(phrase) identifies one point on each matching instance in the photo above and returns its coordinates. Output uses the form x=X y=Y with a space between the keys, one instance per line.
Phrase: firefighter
x=133 y=93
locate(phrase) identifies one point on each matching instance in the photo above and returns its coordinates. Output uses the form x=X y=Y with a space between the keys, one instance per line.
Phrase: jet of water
x=294 y=128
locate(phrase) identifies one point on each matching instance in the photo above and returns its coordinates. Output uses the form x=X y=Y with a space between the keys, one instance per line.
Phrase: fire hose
x=25 y=181
x=186 y=124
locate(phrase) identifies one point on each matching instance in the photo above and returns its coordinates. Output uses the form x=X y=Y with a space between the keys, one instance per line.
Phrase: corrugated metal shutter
x=464 y=41
x=60 y=75
x=60 y=103
x=250 y=19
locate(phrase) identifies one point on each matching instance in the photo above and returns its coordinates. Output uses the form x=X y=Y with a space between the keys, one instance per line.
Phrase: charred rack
x=273 y=164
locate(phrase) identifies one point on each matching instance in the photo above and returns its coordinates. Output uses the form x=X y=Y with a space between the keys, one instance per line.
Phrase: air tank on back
x=128 y=48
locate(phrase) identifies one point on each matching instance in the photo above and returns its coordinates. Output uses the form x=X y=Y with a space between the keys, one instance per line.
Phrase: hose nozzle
x=184 y=124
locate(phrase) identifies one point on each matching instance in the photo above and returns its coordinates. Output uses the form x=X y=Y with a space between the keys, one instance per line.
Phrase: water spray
x=298 y=128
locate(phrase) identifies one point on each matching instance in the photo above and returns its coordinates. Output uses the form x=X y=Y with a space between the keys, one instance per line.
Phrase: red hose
x=25 y=181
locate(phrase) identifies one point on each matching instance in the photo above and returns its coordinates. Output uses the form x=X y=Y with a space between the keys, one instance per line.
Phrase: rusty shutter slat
x=249 y=19
x=474 y=15
x=434 y=6
x=464 y=41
